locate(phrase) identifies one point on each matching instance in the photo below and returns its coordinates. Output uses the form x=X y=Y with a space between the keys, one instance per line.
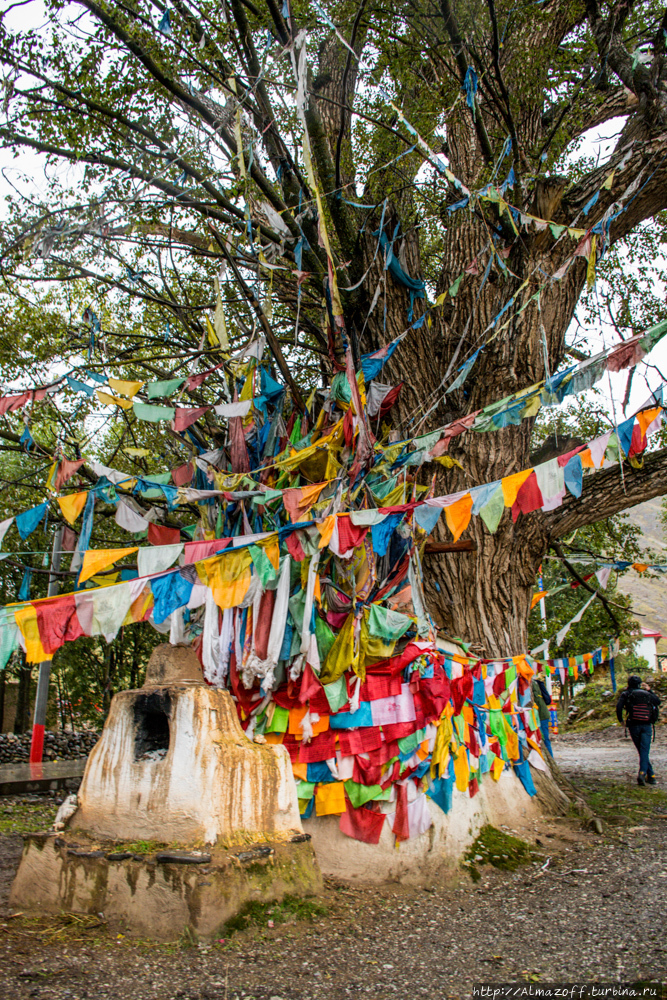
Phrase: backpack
x=643 y=708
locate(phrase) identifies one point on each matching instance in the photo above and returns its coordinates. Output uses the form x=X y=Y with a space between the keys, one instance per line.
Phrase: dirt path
x=611 y=757
x=573 y=915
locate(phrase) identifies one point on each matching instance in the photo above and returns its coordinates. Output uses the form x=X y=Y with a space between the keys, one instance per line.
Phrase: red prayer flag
x=66 y=470
x=310 y=685
x=529 y=497
x=160 y=534
x=389 y=400
x=362 y=824
x=57 y=622
x=182 y=475
x=194 y=381
x=185 y=416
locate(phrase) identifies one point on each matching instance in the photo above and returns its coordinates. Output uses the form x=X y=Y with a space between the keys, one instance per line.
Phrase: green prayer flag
x=492 y=511
x=360 y=794
x=305 y=789
x=325 y=638
x=264 y=568
x=171 y=385
x=336 y=694
x=454 y=287
x=143 y=411
x=387 y=624
x=497 y=725
x=279 y=721
x=409 y=743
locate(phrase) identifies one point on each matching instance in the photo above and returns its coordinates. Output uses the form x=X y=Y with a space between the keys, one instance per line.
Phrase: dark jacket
x=622 y=704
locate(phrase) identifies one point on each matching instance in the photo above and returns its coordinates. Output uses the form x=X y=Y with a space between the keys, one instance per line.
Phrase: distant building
x=648 y=646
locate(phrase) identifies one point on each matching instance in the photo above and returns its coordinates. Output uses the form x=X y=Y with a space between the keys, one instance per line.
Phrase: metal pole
x=42 y=696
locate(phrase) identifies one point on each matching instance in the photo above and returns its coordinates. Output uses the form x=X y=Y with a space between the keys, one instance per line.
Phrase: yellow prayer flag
x=512 y=745
x=95 y=560
x=125 y=388
x=109 y=400
x=26 y=619
x=50 y=482
x=498 y=768
x=212 y=335
x=461 y=769
x=72 y=505
x=330 y=799
x=512 y=484
x=228 y=576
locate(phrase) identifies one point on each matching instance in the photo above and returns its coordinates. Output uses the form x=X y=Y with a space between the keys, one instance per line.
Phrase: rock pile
x=57 y=746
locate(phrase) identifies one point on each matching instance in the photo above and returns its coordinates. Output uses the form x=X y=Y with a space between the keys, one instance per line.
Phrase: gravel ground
x=590 y=909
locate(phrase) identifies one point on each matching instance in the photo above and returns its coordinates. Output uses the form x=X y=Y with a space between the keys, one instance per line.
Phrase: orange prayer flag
x=72 y=505
x=512 y=484
x=640 y=567
x=523 y=667
x=646 y=418
x=326 y=530
x=536 y=598
x=95 y=560
x=587 y=459
x=458 y=516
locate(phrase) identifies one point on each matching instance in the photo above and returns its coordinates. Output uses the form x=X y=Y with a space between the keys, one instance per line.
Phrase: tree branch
x=580 y=580
x=606 y=493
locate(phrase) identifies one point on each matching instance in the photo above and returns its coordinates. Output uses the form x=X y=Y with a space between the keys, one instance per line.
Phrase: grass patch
x=497 y=848
x=256 y=914
x=19 y=816
x=141 y=847
x=62 y=927
x=623 y=805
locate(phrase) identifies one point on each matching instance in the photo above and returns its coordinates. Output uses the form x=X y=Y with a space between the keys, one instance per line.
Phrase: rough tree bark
x=484 y=596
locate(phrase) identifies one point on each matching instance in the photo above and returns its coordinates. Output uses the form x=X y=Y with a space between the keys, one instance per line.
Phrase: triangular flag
x=95 y=560
x=458 y=514
x=72 y=505
x=126 y=388
x=512 y=484
x=109 y=400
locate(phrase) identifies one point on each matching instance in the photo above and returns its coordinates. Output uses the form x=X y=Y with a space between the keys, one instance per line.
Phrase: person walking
x=641 y=708
x=542 y=700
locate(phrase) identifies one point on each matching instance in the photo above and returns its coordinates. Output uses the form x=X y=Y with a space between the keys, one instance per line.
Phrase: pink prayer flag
x=185 y=416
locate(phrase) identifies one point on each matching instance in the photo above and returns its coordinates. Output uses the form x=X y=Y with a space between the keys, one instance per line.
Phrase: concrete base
x=164 y=894
x=427 y=857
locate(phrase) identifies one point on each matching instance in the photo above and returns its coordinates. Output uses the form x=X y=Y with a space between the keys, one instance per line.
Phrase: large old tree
x=174 y=143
